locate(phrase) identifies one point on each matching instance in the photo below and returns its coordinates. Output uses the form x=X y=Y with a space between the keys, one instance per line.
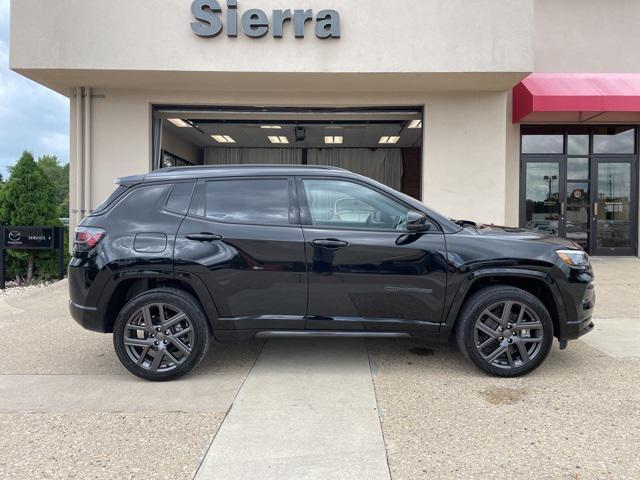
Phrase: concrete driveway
x=319 y=408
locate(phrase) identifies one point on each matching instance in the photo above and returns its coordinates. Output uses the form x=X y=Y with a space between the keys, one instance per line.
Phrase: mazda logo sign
x=14 y=236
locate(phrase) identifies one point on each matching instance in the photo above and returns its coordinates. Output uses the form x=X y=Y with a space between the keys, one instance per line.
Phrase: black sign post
x=31 y=238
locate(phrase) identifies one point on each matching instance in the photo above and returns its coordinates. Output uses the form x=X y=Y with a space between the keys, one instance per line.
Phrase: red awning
x=576 y=92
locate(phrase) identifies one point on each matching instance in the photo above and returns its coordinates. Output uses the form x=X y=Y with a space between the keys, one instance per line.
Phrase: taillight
x=86 y=238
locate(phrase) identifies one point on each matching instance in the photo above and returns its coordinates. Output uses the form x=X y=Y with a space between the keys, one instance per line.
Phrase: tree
x=28 y=198
x=59 y=176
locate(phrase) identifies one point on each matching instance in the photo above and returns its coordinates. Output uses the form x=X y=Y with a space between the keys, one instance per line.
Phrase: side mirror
x=417 y=222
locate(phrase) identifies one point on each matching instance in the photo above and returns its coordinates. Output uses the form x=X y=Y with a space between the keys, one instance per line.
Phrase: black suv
x=174 y=257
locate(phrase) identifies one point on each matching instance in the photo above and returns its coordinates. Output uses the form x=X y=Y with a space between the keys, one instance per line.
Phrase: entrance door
x=615 y=208
x=557 y=198
x=543 y=206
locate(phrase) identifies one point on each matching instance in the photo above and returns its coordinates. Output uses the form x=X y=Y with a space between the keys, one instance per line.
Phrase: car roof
x=212 y=171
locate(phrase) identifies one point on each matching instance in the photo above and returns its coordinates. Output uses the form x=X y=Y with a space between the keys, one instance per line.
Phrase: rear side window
x=261 y=202
x=112 y=198
x=180 y=197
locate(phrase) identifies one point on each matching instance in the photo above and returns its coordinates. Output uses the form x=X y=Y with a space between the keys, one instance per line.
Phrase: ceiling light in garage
x=391 y=139
x=179 y=122
x=415 y=124
x=333 y=139
x=271 y=127
x=223 y=138
x=278 y=139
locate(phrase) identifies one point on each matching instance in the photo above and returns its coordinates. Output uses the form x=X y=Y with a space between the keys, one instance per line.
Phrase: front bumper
x=581 y=322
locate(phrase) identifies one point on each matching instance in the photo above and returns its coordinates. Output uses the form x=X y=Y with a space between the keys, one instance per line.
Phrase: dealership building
x=516 y=112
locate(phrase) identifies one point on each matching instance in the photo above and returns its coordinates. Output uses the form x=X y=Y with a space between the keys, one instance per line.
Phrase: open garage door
x=383 y=144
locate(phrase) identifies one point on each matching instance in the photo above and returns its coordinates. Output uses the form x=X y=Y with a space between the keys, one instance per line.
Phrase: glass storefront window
x=578 y=144
x=586 y=193
x=577 y=168
x=543 y=139
x=614 y=140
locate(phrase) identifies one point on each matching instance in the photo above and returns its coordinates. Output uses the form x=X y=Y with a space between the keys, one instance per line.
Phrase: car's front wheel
x=161 y=334
x=505 y=331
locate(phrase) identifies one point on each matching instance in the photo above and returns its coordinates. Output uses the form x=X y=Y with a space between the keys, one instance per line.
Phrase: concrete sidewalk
x=307 y=411
x=617 y=312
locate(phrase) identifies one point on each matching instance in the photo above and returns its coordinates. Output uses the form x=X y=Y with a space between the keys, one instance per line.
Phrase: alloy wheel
x=158 y=337
x=508 y=334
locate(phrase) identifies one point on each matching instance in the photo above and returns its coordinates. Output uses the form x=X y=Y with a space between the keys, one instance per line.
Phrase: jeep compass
x=180 y=255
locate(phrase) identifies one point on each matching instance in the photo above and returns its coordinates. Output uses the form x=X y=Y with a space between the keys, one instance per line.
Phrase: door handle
x=203 y=237
x=330 y=243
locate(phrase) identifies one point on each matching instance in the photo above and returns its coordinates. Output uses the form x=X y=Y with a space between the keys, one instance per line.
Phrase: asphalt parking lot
x=292 y=408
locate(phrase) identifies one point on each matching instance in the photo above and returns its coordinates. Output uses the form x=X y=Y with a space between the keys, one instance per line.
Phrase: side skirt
x=324 y=333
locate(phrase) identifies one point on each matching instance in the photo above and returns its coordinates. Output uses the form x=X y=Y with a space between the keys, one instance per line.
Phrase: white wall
x=465 y=156
x=377 y=36
x=589 y=36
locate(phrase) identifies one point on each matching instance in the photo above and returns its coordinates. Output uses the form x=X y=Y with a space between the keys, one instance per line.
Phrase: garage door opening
x=383 y=144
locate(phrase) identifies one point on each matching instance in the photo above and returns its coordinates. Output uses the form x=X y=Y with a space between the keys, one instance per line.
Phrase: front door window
x=580 y=183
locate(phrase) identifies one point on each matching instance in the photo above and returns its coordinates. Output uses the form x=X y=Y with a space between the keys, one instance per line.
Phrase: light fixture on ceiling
x=278 y=139
x=271 y=127
x=223 y=138
x=178 y=122
x=415 y=124
x=333 y=139
x=389 y=139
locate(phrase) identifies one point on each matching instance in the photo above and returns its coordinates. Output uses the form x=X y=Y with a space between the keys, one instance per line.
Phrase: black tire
x=488 y=303
x=191 y=334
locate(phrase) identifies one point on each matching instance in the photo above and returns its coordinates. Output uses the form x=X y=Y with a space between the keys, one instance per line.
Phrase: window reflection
x=542 y=197
x=578 y=144
x=577 y=168
x=614 y=140
x=542 y=139
x=248 y=201
x=614 y=205
x=542 y=144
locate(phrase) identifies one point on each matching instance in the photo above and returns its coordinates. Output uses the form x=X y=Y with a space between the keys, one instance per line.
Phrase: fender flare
x=471 y=278
x=203 y=295
x=197 y=285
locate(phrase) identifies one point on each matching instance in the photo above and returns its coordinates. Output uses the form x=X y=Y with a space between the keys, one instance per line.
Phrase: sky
x=32 y=117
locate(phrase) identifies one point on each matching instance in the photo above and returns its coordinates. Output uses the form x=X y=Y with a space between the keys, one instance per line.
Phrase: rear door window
x=250 y=201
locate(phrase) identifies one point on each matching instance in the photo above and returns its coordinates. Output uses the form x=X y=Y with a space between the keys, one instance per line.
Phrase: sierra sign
x=256 y=24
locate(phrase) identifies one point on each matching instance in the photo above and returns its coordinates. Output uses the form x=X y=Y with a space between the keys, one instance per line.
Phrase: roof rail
x=206 y=167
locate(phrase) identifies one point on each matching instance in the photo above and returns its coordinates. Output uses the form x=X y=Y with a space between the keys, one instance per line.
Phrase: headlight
x=574 y=258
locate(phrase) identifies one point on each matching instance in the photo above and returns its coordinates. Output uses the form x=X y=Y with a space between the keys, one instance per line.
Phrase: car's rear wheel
x=161 y=334
x=505 y=331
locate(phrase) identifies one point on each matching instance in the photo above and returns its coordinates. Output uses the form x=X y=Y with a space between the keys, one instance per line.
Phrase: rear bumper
x=87 y=317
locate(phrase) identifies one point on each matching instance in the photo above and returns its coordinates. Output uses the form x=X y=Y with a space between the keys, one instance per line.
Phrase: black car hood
x=513 y=233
